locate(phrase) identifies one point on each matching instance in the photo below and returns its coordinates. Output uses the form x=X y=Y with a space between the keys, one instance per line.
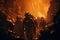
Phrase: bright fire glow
x=38 y=8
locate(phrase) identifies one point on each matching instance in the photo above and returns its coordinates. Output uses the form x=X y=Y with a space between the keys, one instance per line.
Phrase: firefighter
x=28 y=25
x=18 y=26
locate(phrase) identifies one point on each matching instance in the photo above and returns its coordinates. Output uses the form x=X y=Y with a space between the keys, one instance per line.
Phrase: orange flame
x=38 y=8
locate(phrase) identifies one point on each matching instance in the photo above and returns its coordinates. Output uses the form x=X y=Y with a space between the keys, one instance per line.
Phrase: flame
x=37 y=8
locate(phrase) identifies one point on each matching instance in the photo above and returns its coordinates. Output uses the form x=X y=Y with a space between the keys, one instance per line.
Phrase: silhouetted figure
x=18 y=26
x=42 y=23
x=28 y=24
x=5 y=26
